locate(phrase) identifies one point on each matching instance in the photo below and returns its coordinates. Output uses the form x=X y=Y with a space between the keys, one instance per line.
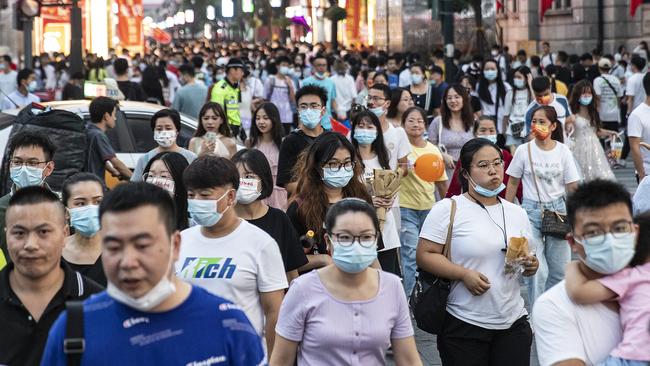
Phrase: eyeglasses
x=618 y=230
x=374 y=99
x=31 y=163
x=485 y=165
x=303 y=106
x=336 y=166
x=365 y=240
x=146 y=176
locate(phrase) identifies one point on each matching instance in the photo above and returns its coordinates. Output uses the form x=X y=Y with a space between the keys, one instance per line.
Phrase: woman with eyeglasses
x=327 y=172
x=346 y=313
x=544 y=188
x=165 y=170
x=369 y=145
x=453 y=128
x=81 y=194
x=485 y=127
x=486 y=321
x=400 y=100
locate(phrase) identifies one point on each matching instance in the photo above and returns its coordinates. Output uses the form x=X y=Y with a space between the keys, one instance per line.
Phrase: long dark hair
x=151 y=84
x=524 y=70
x=224 y=129
x=551 y=114
x=176 y=164
x=574 y=102
x=255 y=161
x=66 y=188
x=483 y=86
x=467 y=153
x=395 y=98
x=377 y=146
x=642 y=251
x=277 y=132
x=311 y=197
x=466 y=114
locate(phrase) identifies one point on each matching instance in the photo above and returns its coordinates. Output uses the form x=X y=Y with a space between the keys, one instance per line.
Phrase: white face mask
x=247 y=191
x=164 y=183
x=164 y=138
x=159 y=293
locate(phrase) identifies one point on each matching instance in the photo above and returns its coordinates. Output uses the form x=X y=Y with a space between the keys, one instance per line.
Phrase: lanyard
x=503 y=214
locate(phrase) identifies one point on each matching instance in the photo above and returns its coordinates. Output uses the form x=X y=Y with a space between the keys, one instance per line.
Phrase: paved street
x=426 y=343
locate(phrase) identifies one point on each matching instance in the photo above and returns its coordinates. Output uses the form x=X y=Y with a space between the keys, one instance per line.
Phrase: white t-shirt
x=236 y=267
x=8 y=82
x=397 y=143
x=561 y=105
x=490 y=109
x=554 y=169
x=516 y=110
x=565 y=330
x=638 y=125
x=609 y=110
x=548 y=59
x=389 y=233
x=634 y=87
x=477 y=243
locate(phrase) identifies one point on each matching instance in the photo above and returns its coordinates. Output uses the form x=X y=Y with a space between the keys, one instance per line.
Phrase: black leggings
x=464 y=344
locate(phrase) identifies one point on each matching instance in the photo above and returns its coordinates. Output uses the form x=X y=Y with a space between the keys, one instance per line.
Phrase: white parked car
x=131 y=137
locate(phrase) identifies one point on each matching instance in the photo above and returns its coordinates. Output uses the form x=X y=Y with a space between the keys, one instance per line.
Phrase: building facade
x=573 y=25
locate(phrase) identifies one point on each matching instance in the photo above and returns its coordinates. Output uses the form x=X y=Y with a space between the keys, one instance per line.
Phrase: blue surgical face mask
x=416 y=78
x=586 y=100
x=491 y=138
x=610 y=256
x=32 y=86
x=284 y=70
x=519 y=83
x=85 y=220
x=378 y=111
x=338 y=179
x=204 y=212
x=310 y=118
x=365 y=136
x=320 y=75
x=487 y=192
x=491 y=75
x=353 y=258
x=26 y=176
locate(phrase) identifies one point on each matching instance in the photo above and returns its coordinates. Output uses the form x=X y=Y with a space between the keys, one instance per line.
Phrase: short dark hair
x=312 y=90
x=78 y=178
x=383 y=88
x=34 y=195
x=171 y=113
x=32 y=138
x=646 y=83
x=540 y=84
x=351 y=204
x=23 y=74
x=132 y=195
x=638 y=62
x=435 y=69
x=99 y=106
x=255 y=161
x=596 y=194
x=120 y=66
x=586 y=57
x=211 y=171
x=187 y=69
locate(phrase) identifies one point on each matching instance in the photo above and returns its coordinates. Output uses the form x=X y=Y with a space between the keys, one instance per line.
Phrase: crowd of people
x=265 y=238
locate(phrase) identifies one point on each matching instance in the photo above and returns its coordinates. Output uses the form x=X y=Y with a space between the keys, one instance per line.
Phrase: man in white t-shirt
x=609 y=91
x=568 y=334
x=399 y=148
x=634 y=85
x=226 y=255
x=638 y=130
x=7 y=76
x=547 y=57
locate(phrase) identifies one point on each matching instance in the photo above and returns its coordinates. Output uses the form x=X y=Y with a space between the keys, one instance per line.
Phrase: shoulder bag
x=553 y=223
x=429 y=297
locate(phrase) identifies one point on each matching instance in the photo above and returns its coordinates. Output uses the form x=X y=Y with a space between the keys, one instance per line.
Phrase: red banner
x=634 y=4
x=129 y=26
x=544 y=5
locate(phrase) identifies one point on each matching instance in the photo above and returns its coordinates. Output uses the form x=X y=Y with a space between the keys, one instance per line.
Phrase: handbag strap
x=446 y=251
x=532 y=169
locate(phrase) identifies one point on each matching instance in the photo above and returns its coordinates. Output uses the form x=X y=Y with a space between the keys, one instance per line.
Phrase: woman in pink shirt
x=346 y=313
x=630 y=287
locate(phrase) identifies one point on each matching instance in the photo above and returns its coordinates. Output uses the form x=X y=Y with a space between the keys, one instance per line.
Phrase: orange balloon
x=429 y=167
